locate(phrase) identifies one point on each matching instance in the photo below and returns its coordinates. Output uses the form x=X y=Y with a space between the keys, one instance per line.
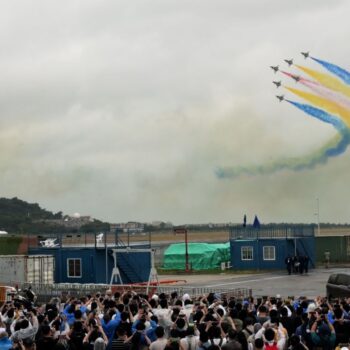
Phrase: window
x=74 y=268
x=269 y=253
x=247 y=253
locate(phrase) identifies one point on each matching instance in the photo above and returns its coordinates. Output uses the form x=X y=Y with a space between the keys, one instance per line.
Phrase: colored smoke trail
x=329 y=106
x=320 y=114
x=327 y=93
x=327 y=80
x=334 y=147
x=329 y=103
x=343 y=74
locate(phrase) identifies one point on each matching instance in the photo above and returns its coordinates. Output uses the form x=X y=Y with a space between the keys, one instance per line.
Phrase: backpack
x=271 y=346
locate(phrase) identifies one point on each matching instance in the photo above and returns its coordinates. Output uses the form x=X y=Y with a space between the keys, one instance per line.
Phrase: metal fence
x=45 y=292
x=271 y=232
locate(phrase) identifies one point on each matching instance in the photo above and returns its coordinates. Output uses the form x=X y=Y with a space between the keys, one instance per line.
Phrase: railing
x=265 y=232
x=45 y=292
x=101 y=240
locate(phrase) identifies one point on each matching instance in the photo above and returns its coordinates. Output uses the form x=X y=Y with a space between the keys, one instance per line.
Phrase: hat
x=185 y=297
x=311 y=307
x=155 y=297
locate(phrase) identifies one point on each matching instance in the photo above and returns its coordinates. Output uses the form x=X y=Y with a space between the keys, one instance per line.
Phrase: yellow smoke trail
x=330 y=106
x=327 y=80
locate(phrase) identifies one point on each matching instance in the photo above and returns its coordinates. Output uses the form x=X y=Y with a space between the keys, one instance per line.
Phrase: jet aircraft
x=281 y=98
x=290 y=62
x=305 y=54
x=277 y=83
x=296 y=77
x=274 y=68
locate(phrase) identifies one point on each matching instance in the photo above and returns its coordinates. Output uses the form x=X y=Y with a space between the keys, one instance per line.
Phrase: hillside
x=18 y=216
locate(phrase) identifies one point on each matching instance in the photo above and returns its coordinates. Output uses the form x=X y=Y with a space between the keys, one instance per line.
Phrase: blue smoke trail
x=320 y=114
x=333 y=148
x=341 y=146
x=341 y=73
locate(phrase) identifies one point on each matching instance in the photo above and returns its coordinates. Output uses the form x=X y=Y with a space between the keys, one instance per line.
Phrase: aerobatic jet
x=305 y=54
x=277 y=83
x=290 y=62
x=274 y=68
x=296 y=77
x=281 y=98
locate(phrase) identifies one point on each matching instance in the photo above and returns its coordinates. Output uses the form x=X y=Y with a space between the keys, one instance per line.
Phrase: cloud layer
x=123 y=110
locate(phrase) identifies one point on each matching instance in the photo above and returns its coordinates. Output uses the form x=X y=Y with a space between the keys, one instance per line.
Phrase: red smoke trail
x=321 y=90
x=301 y=79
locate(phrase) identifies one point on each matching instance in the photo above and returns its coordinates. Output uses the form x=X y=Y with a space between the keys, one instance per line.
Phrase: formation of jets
x=295 y=77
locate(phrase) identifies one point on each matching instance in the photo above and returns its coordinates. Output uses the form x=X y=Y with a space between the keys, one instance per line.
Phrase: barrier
x=45 y=292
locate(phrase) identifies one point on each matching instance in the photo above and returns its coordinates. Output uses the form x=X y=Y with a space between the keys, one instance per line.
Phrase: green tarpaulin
x=202 y=256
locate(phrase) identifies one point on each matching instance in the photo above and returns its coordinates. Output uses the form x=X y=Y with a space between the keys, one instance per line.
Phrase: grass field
x=9 y=245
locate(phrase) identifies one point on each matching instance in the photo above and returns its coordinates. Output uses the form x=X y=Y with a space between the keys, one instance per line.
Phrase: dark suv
x=338 y=286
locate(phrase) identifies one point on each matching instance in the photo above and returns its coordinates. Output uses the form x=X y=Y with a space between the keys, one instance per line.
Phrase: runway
x=271 y=283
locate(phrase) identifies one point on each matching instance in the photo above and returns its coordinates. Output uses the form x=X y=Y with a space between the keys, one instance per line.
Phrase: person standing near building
x=306 y=263
x=289 y=262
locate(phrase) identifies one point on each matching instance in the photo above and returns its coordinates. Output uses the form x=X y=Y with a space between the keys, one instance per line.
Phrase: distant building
x=73 y=222
x=129 y=227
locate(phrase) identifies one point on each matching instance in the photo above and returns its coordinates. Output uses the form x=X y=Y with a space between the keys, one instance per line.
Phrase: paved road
x=310 y=285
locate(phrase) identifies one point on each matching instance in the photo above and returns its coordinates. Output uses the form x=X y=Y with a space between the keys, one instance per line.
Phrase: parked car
x=338 y=286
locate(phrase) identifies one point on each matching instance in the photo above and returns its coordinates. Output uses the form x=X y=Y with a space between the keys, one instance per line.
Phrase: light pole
x=318 y=215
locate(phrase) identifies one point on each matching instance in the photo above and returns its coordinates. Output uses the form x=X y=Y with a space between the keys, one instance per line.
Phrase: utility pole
x=318 y=216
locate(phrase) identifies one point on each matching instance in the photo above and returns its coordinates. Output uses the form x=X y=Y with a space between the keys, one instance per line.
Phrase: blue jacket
x=5 y=343
x=110 y=327
x=150 y=331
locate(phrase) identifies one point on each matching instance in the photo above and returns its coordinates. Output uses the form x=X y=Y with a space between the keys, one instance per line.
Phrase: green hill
x=18 y=216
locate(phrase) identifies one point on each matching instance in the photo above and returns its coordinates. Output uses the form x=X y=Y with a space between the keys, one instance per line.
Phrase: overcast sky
x=124 y=110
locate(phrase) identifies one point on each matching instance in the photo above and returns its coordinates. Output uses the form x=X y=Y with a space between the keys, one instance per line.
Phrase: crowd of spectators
x=131 y=321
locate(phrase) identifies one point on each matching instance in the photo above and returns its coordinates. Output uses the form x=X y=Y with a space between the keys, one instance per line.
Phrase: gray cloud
x=123 y=110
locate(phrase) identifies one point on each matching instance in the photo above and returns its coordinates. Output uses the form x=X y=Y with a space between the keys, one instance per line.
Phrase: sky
x=125 y=110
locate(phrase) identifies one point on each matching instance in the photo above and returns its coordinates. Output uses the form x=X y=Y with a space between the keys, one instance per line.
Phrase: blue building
x=267 y=247
x=88 y=260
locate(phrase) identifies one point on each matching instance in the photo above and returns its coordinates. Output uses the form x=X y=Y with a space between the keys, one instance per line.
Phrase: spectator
x=5 y=342
x=46 y=341
x=190 y=342
x=119 y=342
x=161 y=341
x=232 y=343
x=24 y=328
x=323 y=333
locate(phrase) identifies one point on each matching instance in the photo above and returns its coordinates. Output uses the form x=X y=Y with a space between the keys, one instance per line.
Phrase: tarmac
x=274 y=283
